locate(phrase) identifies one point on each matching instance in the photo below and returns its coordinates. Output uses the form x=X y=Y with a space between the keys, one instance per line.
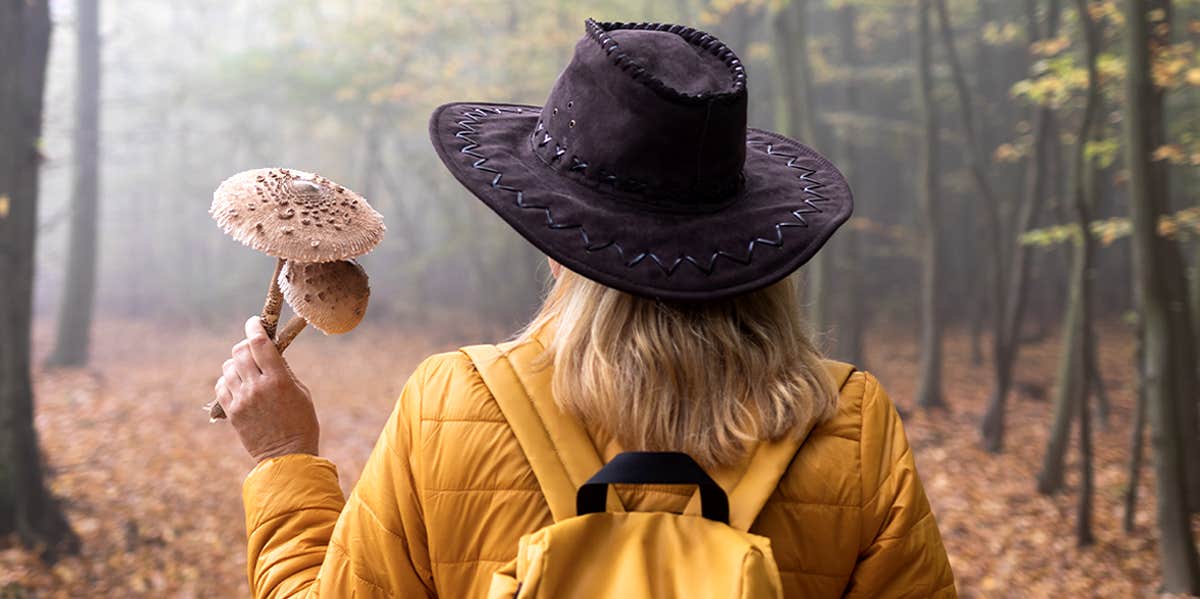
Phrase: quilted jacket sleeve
x=901 y=549
x=304 y=540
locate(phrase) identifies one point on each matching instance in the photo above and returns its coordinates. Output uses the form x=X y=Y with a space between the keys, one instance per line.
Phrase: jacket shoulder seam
x=803 y=572
x=354 y=570
x=896 y=537
x=470 y=420
x=868 y=381
x=884 y=482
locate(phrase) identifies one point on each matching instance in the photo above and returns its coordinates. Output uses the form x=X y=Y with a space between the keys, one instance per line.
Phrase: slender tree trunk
x=969 y=253
x=976 y=165
x=26 y=507
x=852 y=322
x=79 y=287
x=1195 y=291
x=1137 y=434
x=1100 y=390
x=929 y=389
x=1011 y=300
x=791 y=32
x=1077 y=359
x=977 y=310
x=1083 y=196
x=1010 y=311
x=1170 y=361
x=1083 y=521
x=1070 y=371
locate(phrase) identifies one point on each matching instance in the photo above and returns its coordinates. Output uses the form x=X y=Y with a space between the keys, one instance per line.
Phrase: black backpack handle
x=653 y=468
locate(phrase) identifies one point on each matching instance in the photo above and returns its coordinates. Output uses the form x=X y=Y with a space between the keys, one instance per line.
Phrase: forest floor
x=154 y=490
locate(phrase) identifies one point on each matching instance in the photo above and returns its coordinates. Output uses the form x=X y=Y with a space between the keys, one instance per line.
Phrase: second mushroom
x=331 y=296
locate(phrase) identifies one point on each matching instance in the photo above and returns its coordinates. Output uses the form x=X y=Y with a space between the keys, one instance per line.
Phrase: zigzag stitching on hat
x=578 y=165
x=475 y=116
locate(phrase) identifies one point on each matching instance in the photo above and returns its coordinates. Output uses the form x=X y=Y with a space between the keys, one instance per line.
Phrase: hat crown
x=654 y=112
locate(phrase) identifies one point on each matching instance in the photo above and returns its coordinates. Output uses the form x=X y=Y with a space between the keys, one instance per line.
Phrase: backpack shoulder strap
x=558 y=449
x=770 y=464
x=559 y=480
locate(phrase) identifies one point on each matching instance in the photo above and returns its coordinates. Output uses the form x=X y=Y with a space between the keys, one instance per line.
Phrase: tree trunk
x=976 y=164
x=26 y=507
x=79 y=287
x=1083 y=200
x=1070 y=371
x=853 y=318
x=791 y=32
x=1100 y=390
x=977 y=310
x=1077 y=360
x=969 y=253
x=1011 y=300
x=929 y=389
x=1137 y=435
x=1083 y=521
x=1170 y=362
x=1195 y=291
x=1010 y=308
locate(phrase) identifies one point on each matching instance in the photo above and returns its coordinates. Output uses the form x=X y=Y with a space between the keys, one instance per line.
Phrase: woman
x=671 y=326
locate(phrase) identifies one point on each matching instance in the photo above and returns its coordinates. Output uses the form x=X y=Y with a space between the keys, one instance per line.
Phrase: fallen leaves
x=1004 y=539
x=154 y=490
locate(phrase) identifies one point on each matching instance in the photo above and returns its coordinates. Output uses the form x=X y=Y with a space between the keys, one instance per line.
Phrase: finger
x=266 y=355
x=230 y=375
x=243 y=361
x=224 y=396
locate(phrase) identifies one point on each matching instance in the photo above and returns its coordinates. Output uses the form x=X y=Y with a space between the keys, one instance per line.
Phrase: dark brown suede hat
x=640 y=173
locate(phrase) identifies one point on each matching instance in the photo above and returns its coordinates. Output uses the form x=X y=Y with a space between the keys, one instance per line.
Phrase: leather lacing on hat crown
x=473 y=117
x=707 y=41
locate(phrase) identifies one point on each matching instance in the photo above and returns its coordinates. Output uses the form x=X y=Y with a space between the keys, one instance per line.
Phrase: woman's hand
x=271 y=411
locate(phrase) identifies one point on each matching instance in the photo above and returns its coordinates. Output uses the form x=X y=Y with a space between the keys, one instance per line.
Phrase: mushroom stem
x=215 y=411
x=289 y=332
x=270 y=311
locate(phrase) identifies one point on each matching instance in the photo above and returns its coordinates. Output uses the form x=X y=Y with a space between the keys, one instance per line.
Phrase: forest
x=1022 y=270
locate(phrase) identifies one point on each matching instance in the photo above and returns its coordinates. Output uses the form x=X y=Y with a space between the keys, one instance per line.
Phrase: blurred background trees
x=1022 y=170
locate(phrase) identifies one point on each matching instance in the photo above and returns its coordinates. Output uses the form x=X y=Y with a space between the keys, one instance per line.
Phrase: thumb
x=254 y=327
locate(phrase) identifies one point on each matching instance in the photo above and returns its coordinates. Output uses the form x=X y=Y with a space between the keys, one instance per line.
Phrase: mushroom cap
x=296 y=215
x=331 y=296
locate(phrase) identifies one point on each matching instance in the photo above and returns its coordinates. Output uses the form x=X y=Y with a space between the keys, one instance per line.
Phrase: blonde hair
x=701 y=378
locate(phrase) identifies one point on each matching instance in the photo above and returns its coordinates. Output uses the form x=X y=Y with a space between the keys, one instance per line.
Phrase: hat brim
x=792 y=201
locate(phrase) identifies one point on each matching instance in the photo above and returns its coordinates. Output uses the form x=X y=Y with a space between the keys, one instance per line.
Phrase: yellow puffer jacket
x=447 y=493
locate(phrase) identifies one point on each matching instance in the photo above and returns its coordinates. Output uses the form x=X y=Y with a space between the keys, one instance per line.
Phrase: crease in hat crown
x=600 y=32
x=652 y=113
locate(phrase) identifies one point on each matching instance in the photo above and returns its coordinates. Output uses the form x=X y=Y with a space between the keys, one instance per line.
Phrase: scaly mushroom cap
x=296 y=215
x=331 y=296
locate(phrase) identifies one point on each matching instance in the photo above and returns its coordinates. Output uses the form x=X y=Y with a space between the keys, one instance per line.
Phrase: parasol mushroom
x=293 y=215
x=332 y=297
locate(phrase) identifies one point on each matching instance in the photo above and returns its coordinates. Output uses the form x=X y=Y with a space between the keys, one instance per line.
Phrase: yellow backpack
x=595 y=549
